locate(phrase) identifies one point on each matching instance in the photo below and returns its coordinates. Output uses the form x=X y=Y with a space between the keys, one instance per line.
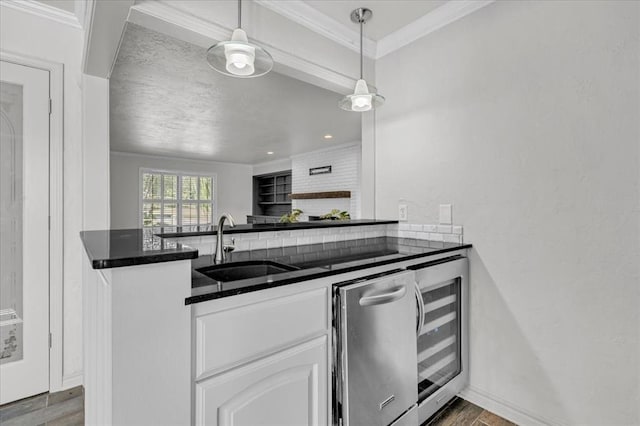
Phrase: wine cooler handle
x=420 y=319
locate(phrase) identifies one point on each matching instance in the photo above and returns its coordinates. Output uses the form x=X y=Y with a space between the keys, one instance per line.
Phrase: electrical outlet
x=446 y=216
x=403 y=212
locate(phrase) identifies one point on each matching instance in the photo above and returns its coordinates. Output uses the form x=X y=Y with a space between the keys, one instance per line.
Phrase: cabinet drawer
x=286 y=388
x=237 y=335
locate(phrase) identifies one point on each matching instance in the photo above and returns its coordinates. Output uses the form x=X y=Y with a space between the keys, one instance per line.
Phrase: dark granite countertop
x=127 y=247
x=192 y=231
x=313 y=261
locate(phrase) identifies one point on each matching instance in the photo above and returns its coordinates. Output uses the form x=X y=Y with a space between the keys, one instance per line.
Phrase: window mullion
x=198 y=200
x=179 y=199
x=161 y=199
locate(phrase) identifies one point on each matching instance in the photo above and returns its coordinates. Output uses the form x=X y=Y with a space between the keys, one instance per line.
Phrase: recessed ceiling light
x=328 y=136
x=270 y=153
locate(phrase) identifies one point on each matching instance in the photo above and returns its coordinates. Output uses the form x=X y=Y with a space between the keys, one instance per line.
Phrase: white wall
x=271 y=166
x=95 y=111
x=368 y=169
x=524 y=116
x=345 y=162
x=234 y=185
x=55 y=42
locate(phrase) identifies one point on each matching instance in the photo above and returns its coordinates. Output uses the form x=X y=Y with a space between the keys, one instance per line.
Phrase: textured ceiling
x=165 y=100
x=388 y=15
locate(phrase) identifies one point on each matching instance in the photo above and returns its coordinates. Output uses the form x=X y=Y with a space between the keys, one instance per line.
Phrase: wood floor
x=64 y=408
x=463 y=413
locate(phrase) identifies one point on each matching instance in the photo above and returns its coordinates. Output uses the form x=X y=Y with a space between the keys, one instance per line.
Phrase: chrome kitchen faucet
x=220 y=255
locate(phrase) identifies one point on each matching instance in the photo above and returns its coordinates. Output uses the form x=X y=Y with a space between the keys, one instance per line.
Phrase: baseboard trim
x=504 y=408
x=71 y=380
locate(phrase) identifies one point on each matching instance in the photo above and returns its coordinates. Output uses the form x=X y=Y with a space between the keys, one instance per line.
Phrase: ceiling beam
x=105 y=22
x=167 y=19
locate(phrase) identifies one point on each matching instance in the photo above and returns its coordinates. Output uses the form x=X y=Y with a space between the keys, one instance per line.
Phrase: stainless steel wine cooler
x=441 y=323
x=386 y=324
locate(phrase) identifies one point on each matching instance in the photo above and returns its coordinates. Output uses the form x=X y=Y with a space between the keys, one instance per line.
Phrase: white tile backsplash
x=436 y=237
x=274 y=239
x=258 y=244
x=451 y=238
x=447 y=233
x=329 y=238
x=445 y=229
x=430 y=228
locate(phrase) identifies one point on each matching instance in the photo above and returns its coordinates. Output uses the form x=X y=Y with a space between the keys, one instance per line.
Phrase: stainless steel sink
x=243 y=270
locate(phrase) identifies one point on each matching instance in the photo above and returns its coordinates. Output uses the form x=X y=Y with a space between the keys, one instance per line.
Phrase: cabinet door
x=287 y=388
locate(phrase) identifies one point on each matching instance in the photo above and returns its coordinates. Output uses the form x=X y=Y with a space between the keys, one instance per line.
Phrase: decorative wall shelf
x=316 y=195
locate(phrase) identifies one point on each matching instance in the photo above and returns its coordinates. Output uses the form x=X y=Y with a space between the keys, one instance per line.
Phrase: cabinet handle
x=420 y=319
x=382 y=298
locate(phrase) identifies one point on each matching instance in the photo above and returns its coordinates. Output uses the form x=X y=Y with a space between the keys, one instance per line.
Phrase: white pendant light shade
x=239 y=58
x=361 y=100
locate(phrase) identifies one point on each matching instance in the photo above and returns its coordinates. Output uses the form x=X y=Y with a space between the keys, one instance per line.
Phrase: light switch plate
x=446 y=216
x=403 y=212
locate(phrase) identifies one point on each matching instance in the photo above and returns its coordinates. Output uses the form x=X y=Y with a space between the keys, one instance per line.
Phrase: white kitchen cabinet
x=286 y=388
x=263 y=358
x=233 y=336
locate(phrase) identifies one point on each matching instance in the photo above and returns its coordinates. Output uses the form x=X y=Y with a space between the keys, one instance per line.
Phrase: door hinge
x=50 y=106
x=50 y=340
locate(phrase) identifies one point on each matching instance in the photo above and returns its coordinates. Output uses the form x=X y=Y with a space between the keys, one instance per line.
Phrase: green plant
x=336 y=214
x=291 y=217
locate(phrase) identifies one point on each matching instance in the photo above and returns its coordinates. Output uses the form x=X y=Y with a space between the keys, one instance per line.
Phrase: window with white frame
x=176 y=199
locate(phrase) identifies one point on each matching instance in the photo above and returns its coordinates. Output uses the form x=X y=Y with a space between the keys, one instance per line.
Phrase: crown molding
x=166 y=157
x=164 y=11
x=44 y=11
x=440 y=17
x=87 y=18
x=84 y=12
x=300 y=12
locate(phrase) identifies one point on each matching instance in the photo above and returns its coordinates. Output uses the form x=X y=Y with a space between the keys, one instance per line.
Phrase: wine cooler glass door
x=440 y=343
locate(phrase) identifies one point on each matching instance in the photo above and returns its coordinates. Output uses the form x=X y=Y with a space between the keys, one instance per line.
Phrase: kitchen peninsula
x=164 y=340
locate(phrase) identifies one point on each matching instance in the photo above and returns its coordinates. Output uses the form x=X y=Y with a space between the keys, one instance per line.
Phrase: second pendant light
x=362 y=99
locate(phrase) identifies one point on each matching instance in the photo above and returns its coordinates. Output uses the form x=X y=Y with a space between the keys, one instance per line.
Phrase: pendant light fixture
x=237 y=57
x=361 y=100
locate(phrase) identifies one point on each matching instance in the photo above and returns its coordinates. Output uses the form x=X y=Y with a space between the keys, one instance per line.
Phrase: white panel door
x=288 y=388
x=24 y=226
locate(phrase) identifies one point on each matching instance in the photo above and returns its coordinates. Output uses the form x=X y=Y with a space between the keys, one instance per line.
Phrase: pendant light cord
x=361 y=24
x=239 y=13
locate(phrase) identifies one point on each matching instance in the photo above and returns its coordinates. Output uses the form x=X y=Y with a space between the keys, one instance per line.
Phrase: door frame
x=56 y=209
